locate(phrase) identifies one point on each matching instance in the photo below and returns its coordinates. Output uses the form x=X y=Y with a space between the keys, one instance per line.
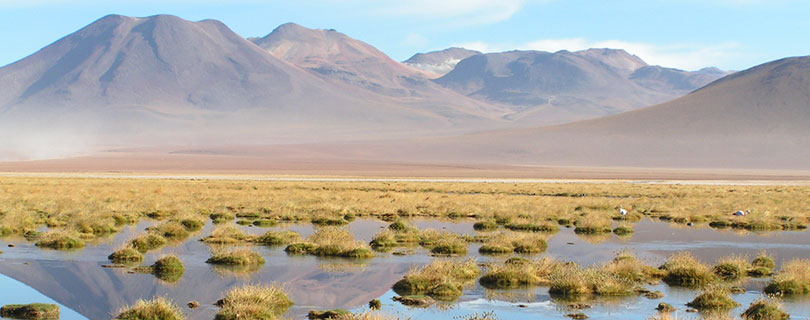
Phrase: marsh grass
x=332 y=242
x=126 y=255
x=572 y=281
x=155 y=308
x=765 y=309
x=683 y=269
x=518 y=272
x=60 y=240
x=399 y=233
x=170 y=230
x=34 y=311
x=792 y=279
x=628 y=266
x=276 y=238
x=732 y=268
x=714 y=298
x=443 y=243
x=762 y=265
x=226 y=235
x=236 y=257
x=253 y=302
x=147 y=242
x=30 y=203
x=168 y=268
x=442 y=279
x=593 y=224
x=511 y=242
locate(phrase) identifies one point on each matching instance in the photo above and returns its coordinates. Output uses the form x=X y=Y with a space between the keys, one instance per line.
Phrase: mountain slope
x=164 y=80
x=439 y=62
x=336 y=57
x=547 y=88
x=758 y=118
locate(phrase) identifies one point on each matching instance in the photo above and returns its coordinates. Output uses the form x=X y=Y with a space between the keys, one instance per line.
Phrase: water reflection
x=77 y=280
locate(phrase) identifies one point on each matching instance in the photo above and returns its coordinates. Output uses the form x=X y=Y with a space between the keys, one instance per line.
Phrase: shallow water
x=77 y=280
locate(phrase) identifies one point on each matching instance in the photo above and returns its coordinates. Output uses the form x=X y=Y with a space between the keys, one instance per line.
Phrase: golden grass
x=155 y=308
x=70 y=203
x=442 y=279
x=253 y=302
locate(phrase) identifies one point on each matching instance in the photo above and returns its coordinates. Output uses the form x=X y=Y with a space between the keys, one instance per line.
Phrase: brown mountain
x=164 y=80
x=439 y=62
x=549 y=88
x=757 y=118
x=336 y=57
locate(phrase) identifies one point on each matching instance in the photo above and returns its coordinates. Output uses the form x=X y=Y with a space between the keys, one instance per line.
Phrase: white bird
x=741 y=213
x=622 y=211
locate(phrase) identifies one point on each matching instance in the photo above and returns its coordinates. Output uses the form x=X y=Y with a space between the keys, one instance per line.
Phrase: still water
x=77 y=280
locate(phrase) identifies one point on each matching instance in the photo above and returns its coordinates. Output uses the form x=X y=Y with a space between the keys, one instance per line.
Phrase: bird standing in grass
x=622 y=211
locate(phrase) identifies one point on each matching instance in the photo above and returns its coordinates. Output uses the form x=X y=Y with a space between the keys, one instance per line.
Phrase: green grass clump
x=792 y=279
x=265 y=223
x=485 y=225
x=629 y=267
x=147 y=242
x=237 y=257
x=5 y=231
x=96 y=227
x=762 y=265
x=442 y=280
x=253 y=302
x=328 y=314
x=713 y=298
x=683 y=269
x=444 y=243
x=400 y=226
x=126 y=255
x=518 y=272
x=332 y=242
x=623 y=230
x=591 y=224
x=731 y=268
x=30 y=311
x=375 y=304
x=221 y=217
x=533 y=227
x=191 y=224
x=765 y=309
x=275 y=238
x=571 y=281
x=226 y=235
x=171 y=230
x=153 y=309
x=60 y=240
x=168 y=268
x=508 y=242
x=329 y=221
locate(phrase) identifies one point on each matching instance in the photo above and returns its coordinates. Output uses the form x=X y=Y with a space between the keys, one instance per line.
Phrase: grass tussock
x=155 y=308
x=442 y=279
x=732 y=268
x=147 y=242
x=572 y=281
x=628 y=266
x=168 y=268
x=253 y=302
x=332 y=242
x=236 y=257
x=765 y=309
x=683 y=269
x=398 y=233
x=762 y=265
x=126 y=255
x=714 y=298
x=519 y=272
x=792 y=279
x=511 y=242
x=34 y=311
x=60 y=240
x=226 y=235
x=277 y=238
x=443 y=243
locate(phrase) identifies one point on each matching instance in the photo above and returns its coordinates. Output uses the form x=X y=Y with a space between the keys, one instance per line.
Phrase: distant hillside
x=544 y=87
x=757 y=118
x=439 y=62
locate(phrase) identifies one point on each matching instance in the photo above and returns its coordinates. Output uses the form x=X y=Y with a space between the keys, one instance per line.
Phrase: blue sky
x=688 y=34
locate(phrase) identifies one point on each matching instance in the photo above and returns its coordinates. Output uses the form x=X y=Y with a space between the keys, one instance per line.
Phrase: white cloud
x=687 y=56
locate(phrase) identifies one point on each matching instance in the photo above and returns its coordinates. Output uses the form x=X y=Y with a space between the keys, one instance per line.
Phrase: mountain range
x=125 y=82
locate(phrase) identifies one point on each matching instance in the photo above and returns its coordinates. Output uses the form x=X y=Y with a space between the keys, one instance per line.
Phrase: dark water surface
x=77 y=280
